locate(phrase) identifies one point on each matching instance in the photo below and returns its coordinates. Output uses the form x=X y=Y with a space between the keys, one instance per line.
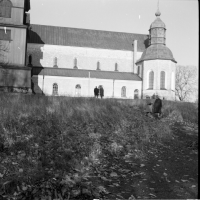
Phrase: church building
x=66 y=61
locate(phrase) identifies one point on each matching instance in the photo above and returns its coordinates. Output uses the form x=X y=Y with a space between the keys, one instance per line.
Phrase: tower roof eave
x=157 y=52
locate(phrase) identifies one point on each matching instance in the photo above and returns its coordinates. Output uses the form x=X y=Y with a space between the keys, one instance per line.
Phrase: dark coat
x=96 y=91
x=157 y=106
x=101 y=92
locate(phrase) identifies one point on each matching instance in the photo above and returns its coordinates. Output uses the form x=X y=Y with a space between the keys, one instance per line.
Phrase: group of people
x=154 y=109
x=99 y=91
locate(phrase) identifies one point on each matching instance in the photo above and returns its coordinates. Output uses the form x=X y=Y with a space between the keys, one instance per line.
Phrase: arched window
x=123 y=91
x=78 y=90
x=98 y=66
x=55 y=61
x=116 y=67
x=30 y=59
x=75 y=63
x=136 y=94
x=173 y=81
x=151 y=79
x=55 y=89
x=162 y=80
x=5 y=8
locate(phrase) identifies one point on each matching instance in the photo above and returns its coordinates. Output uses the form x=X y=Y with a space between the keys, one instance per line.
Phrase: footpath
x=168 y=171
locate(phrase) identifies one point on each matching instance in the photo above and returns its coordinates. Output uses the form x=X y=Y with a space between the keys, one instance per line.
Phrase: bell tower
x=157 y=31
x=14 y=22
x=158 y=63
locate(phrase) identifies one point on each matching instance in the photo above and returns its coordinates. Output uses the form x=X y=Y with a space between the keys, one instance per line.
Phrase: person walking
x=96 y=92
x=101 y=92
x=157 y=107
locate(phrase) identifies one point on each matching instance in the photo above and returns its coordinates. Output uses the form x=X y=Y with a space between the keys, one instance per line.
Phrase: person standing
x=96 y=92
x=148 y=106
x=101 y=92
x=157 y=107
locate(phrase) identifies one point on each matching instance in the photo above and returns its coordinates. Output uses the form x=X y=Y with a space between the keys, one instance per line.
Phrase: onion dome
x=158 y=51
x=158 y=22
x=157 y=48
x=157 y=30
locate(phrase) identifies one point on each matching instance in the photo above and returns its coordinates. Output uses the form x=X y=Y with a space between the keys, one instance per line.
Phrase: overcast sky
x=181 y=18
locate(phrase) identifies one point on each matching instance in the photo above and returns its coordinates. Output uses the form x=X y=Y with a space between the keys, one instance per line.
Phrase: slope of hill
x=85 y=148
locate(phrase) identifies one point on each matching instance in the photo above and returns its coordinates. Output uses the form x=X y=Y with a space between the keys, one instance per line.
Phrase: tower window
x=138 y=70
x=123 y=91
x=116 y=67
x=30 y=60
x=55 y=89
x=162 y=80
x=98 y=66
x=151 y=80
x=55 y=62
x=5 y=8
x=75 y=63
x=173 y=81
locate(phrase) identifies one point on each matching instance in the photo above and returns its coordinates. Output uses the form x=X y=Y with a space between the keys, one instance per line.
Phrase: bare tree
x=186 y=82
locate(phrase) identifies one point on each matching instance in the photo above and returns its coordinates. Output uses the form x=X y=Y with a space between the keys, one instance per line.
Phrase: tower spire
x=158 y=13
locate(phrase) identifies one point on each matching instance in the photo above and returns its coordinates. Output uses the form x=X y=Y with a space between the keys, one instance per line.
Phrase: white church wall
x=67 y=86
x=87 y=58
x=157 y=66
x=131 y=86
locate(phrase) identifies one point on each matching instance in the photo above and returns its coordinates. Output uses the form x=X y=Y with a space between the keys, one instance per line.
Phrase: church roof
x=157 y=51
x=80 y=73
x=53 y=35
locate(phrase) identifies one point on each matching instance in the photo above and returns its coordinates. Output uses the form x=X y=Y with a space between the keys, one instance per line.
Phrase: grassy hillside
x=50 y=146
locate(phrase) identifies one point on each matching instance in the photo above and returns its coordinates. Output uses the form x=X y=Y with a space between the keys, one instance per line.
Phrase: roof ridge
x=90 y=29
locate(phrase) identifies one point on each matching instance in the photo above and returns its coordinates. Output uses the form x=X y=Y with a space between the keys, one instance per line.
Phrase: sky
x=181 y=18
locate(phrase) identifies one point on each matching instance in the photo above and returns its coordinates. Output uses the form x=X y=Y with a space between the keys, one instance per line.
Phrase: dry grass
x=60 y=134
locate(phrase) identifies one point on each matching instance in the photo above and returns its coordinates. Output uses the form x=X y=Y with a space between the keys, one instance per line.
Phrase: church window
x=116 y=67
x=75 y=63
x=173 y=81
x=5 y=34
x=123 y=91
x=55 y=89
x=78 y=90
x=151 y=80
x=5 y=8
x=162 y=80
x=30 y=60
x=136 y=94
x=98 y=66
x=55 y=60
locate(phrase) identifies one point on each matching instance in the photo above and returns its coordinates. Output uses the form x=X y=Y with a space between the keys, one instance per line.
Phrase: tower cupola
x=157 y=30
x=157 y=48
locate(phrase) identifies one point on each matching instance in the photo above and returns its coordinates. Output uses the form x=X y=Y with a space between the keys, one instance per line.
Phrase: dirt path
x=169 y=171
